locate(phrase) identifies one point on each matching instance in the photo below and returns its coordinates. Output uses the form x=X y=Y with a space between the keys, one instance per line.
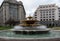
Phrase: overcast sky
x=31 y=5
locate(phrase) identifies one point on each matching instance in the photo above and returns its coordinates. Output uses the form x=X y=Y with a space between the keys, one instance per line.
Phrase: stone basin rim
x=29 y=38
x=10 y=30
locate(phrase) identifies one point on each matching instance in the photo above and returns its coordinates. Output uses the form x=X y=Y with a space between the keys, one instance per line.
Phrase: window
x=41 y=12
x=49 y=11
x=59 y=10
x=46 y=19
x=46 y=14
x=53 y=5
x=49 y=6
x=35 y=17
x=35 y=12
x=49 y=16
x=59 y=13
x=46 y=11
x=52 y=16
x=49 y=19
x=59 y=16
x=41 y=19
x=52 y=11
x=53 y=19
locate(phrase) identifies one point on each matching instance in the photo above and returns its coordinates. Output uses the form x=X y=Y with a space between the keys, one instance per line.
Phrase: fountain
x=30 y=27
x=29 y=31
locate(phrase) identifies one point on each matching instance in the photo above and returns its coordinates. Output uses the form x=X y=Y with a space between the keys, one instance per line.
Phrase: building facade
x=48 y=14
x=11 y=9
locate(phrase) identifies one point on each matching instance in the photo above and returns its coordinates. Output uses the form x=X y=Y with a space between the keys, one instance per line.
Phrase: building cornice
x=17 y=3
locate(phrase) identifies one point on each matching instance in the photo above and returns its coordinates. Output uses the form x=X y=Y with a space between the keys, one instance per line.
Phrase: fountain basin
x=31 y=32
x=11 y=36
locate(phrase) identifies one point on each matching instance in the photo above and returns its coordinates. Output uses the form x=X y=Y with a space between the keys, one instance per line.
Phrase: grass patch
x=5 y=27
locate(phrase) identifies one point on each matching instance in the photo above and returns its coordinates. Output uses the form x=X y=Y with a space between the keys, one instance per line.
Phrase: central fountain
x=29 y=30
x=29 y=26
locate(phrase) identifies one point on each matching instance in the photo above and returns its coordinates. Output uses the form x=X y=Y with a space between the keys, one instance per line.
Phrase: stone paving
x=55 y=39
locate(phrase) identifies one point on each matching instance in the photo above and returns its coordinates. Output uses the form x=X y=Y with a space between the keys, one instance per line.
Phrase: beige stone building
x=48 y=14
x=11 y=9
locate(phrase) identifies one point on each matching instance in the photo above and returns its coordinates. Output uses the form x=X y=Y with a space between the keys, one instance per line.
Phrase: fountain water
x=30 y=27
